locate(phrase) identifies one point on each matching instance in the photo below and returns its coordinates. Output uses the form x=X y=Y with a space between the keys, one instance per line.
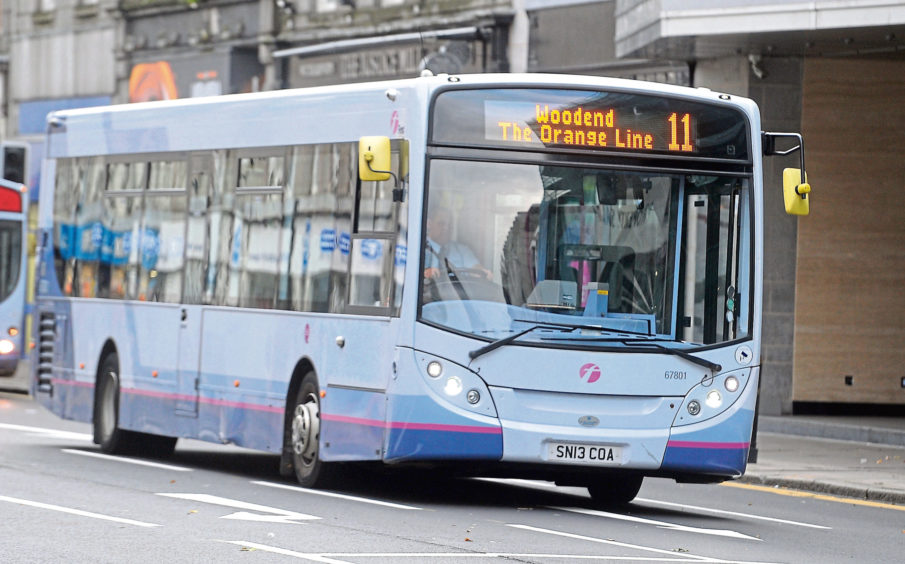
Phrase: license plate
x=578 y=453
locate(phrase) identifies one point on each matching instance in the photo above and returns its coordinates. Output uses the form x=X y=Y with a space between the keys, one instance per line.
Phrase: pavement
x=854 y=457
x=857 y=457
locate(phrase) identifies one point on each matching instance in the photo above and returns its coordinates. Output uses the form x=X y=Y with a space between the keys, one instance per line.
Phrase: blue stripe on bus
x=404 y=443
x=729 y=460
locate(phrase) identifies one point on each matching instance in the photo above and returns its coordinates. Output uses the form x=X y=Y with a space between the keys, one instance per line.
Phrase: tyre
x=107 y=432
x=304 y=436
x=615 y=491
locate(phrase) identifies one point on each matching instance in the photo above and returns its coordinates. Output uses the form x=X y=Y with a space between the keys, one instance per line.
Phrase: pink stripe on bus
x=73 y=383
x=209 y=401
x=413 y=426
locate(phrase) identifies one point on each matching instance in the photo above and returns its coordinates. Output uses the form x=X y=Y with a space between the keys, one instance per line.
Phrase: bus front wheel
x=310 y=470
x=616 y=491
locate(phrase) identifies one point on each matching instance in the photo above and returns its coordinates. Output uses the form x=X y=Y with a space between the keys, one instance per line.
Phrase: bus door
x=200 y=189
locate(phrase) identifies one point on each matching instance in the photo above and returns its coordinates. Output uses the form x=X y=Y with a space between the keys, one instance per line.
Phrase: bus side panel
x=248 y=420
x=54 y=383
x=718 y=446
x=352 y=424
x=353 y=358
x=145 y=340
x=247 y=359
x=423 y=426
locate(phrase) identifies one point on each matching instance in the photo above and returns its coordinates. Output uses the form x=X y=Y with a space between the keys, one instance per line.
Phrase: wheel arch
x=302 y=367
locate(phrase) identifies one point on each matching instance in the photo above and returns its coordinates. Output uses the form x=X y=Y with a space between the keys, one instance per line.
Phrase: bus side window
x=298 y=231
x=258 y=265
x=316 y=227
x=162 y=247
x=65 y=200
x=121 y=221
x=88 y=234
x=219 y=285
x=197 y=233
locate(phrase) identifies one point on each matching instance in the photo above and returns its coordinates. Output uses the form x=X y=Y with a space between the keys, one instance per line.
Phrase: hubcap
x=305 y=429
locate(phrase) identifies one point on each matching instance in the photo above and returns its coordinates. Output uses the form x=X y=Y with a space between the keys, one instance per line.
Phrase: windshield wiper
x=574 y=326
x=713 y=366
x=506 y=340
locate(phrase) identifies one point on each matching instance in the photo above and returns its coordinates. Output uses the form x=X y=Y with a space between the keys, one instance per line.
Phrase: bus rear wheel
x=304 y=428
x=107 y=432
x=615 y=491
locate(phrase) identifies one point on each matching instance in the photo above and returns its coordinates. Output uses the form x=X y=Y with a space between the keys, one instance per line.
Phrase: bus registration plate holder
x=583 y=453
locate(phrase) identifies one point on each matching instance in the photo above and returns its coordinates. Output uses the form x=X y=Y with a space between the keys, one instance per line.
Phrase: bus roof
x=336 y=113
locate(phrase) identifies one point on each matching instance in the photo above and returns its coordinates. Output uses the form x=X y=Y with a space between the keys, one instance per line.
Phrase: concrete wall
x=779 y=95
x=68 y=64
x=850 y=316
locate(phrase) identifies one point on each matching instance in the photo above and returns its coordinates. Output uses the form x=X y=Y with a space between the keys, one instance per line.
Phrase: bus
x=262 y=270
x=13 y=240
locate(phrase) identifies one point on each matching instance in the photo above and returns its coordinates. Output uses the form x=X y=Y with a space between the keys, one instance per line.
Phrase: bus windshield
x=510 y=244
x=10 y=256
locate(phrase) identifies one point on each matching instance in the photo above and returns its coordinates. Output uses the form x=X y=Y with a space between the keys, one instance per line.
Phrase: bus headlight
x=714 y=399
x=473 y=396
x=453 y=386
x=434 y=369
x=731 y=384
x=6 y=346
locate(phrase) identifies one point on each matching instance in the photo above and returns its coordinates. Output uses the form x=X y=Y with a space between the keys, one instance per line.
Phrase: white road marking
x=687 y=555
x=50 y=433
x=659 y=524
x=126 y=460
x=551 y=485
x=521 y=482
x=733 y=513
x=336 y=495
x=75 y=511
x=271 y=514
x=285 y=552
x=331 y=557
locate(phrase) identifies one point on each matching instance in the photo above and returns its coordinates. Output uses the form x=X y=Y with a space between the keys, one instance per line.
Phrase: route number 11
x=674 y=120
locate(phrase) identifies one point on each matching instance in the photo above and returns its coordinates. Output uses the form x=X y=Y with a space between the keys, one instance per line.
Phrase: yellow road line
x=822 y=497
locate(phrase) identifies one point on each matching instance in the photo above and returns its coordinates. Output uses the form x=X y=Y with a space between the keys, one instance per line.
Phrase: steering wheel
x=469 y=274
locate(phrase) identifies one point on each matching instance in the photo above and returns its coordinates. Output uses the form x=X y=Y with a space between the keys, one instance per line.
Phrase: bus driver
x=442 y=252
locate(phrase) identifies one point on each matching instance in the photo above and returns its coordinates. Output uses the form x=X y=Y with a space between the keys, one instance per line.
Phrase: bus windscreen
x=10 y=256
x=623 y=122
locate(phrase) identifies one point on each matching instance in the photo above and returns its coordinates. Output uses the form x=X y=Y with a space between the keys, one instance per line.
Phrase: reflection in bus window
x=161 y=247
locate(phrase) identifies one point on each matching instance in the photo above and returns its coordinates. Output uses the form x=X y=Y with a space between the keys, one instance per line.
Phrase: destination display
x=588 y=120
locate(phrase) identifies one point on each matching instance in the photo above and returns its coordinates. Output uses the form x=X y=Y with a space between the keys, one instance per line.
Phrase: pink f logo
x=394 y=122
x=591 y=371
